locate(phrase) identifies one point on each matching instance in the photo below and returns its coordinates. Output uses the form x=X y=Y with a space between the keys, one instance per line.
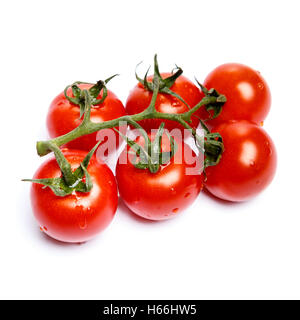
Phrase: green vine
x=210 y=144
x=70 y=181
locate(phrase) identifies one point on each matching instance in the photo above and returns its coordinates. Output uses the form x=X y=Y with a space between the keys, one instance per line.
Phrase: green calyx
x=216 y=106
x=79 y=96
x=164 y=84
x=212 y=145
x=151 y=156
x=70 y=181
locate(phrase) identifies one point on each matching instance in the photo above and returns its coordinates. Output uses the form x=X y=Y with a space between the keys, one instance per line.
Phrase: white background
x=213 y=250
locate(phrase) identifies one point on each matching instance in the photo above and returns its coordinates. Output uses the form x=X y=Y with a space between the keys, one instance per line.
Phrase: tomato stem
x=69 y=181
x=86 y=98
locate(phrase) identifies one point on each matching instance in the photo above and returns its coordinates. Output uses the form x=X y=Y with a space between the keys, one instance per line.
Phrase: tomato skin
x=79 y=216
x=139 y=99
x=63 y=117
x=161 y=195
x=248 y=163
x=248 y=95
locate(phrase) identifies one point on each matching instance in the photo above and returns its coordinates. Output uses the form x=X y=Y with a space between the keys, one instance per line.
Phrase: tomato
x=248 y=95
x=161 y=195
x=79 y=216
x=248 y=163
x=63 y=116
x=139 y=99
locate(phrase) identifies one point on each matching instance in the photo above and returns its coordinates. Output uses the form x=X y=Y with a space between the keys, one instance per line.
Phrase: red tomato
x=139 y=99
x=161 y=195
x=248 y=163
x=63 y=117
x=79 y=216
x=248 y=95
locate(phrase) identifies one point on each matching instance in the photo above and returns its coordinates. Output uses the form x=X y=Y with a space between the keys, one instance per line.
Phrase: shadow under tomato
x=55 y=242
x=221 y=201
x=129 y=213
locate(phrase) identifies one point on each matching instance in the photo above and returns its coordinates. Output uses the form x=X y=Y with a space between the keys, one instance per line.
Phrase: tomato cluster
x=246 y=167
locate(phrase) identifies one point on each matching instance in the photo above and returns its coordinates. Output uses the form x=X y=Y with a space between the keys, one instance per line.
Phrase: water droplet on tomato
x=187 y=194
x=261 y=123
x=260 y=85
x=175 y=210
x=83 y=224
